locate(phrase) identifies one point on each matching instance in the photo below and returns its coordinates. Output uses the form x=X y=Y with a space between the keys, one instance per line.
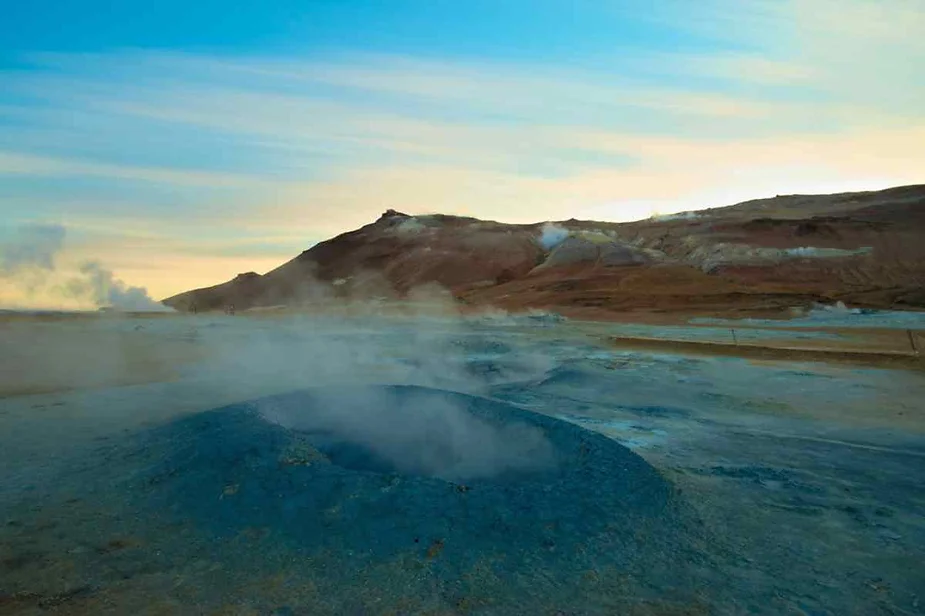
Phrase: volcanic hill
x=866 y=249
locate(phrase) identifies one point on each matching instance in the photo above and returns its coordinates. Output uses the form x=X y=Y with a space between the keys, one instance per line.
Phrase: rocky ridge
x=864 y=249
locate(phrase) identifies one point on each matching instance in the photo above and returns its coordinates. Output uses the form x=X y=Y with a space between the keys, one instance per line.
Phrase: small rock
x=435 y=548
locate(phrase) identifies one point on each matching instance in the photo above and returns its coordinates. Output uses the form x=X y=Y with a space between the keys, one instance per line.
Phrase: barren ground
x=808 y=477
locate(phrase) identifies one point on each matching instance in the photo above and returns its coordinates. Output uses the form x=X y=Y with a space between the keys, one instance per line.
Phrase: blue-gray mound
x=587 y=502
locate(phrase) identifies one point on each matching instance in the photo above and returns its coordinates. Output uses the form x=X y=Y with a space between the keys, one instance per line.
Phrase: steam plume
x=552 y=235
x=28 y=263
x=32 y=247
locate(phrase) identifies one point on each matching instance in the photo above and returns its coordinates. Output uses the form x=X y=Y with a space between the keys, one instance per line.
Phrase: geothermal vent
x=364 y=479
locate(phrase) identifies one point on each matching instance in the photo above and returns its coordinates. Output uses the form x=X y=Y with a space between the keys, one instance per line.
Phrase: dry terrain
x=762 y=486
x=758 y=257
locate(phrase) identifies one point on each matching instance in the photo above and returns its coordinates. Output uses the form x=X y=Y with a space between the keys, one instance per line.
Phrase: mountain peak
x=391 y=214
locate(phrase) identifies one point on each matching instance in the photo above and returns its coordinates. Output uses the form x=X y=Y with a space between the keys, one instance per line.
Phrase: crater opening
x=416 y=432
x=359 y=475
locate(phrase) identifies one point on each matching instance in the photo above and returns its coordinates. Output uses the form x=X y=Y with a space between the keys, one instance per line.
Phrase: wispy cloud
x=13 y=163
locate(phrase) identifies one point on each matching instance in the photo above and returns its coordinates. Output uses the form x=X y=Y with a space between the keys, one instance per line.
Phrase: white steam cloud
x=552 y=235
x=31 y=247
x=191 y=363
x=420 y=434
x=99 y=286
x=28 y=267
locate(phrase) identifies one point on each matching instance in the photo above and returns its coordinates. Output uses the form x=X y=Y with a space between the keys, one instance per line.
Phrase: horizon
x=172 y=146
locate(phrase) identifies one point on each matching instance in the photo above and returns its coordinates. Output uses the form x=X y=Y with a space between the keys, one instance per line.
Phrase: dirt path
x=879 y=359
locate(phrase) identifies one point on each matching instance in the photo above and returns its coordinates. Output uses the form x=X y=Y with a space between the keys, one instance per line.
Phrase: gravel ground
x=759 y=487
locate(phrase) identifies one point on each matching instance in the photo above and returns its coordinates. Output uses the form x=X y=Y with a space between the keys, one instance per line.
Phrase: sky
x=177 y=144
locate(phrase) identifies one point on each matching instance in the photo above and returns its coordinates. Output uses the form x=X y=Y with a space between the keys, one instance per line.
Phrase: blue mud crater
x=450 y=479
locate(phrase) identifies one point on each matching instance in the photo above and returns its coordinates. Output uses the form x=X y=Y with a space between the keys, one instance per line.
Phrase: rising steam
x=31 y=247
x=32 y=278
x=552 y=235
x=420 y=433
x=100 y=287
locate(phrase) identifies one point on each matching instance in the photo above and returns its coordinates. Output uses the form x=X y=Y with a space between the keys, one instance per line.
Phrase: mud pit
x=552 y=503
x=418 y=432
x=565 y=476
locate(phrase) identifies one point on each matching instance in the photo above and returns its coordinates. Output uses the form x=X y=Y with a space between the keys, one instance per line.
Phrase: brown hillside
x=866 y=249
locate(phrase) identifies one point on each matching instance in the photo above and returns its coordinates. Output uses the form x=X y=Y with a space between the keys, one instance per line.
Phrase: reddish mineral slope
x=866 y=249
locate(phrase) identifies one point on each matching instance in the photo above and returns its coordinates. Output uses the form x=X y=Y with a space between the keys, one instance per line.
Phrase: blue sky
x=534 y=29
x=182 y=143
